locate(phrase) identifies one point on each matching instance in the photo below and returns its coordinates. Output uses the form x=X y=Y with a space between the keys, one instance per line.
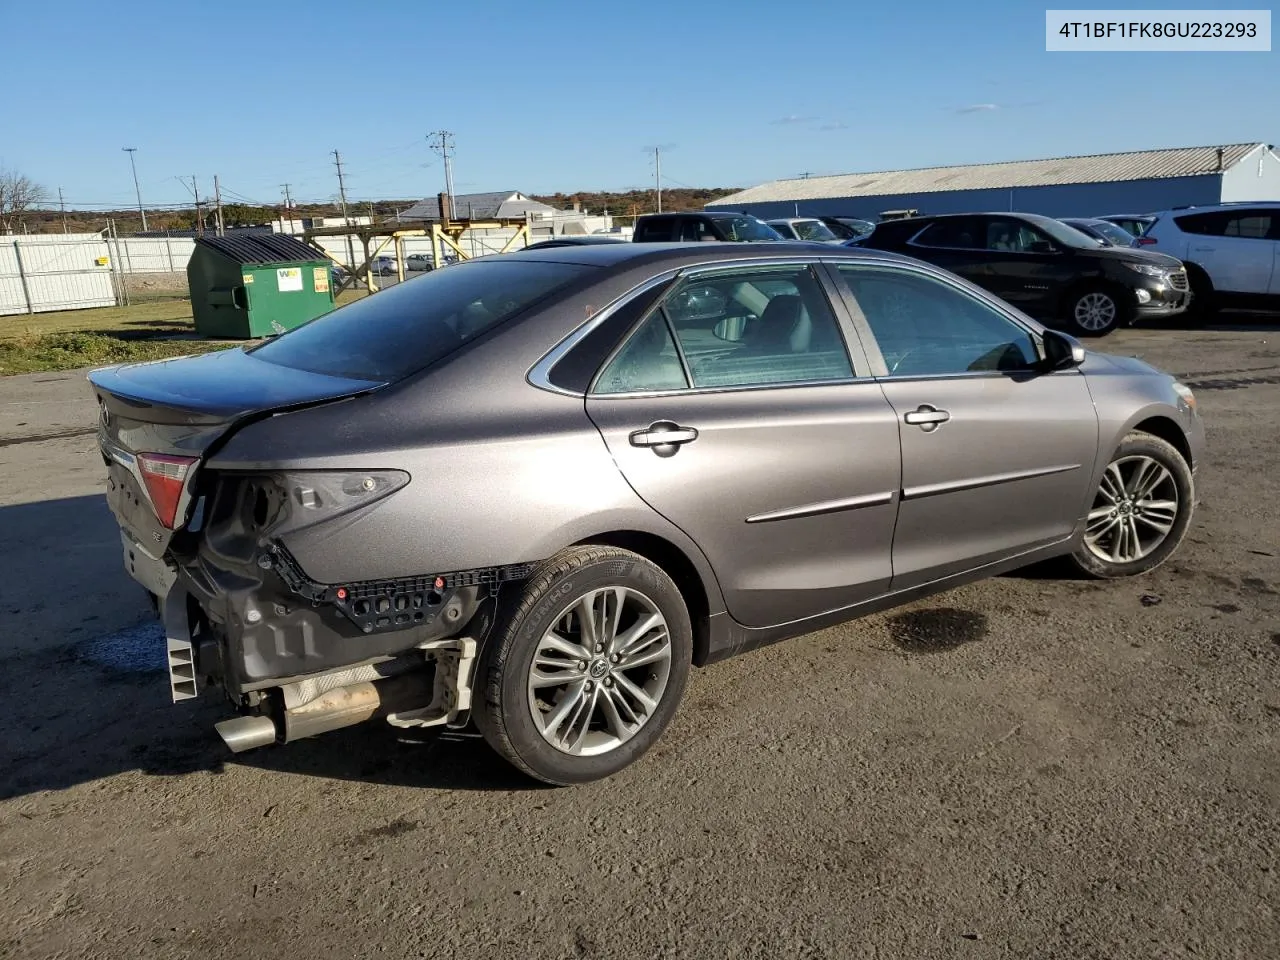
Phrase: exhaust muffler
x=340 y=707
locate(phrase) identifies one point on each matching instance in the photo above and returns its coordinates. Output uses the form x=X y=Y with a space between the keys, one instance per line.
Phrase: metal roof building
x=479 y=206
x=1063 y=187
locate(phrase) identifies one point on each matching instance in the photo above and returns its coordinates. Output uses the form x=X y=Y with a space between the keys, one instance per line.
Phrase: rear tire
x=559 y=700
x=1141 y=511
x=1095 y=311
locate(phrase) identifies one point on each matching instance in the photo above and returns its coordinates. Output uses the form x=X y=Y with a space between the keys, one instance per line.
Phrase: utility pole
x=195 y=189
x=288 y=208
x=657 y=173
x=138 y=193
x=342 y=196
x=342 y=187
x=63 y=204
x=444 y=147
x=217 y=203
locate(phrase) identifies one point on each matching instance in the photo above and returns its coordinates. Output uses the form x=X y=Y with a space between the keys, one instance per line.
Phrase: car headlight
x=1146 y=269
x=1182 y=390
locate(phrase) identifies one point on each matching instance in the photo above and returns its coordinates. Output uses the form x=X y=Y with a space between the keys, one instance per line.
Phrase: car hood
x=1110 y=363
x=1135 y=255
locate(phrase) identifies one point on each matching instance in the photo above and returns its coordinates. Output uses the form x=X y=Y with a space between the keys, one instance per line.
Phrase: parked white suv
x=1232 y=252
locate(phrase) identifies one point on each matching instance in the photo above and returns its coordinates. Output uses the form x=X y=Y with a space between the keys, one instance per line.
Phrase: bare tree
x=18 y=194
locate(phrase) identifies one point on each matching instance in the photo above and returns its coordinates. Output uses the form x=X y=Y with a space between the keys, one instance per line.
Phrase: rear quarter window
x=389 y=335
x=652 y=231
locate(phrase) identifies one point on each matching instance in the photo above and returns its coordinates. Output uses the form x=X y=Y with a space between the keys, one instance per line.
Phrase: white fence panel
x=42 y=273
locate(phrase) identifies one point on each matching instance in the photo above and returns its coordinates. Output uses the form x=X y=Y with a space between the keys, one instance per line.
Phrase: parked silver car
x=534 y=489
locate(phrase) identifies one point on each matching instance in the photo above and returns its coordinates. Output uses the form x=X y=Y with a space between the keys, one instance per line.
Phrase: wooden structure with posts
x=445 y=233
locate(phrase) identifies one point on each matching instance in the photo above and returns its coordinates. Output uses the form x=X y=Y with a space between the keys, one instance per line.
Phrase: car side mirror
x=1061 y=352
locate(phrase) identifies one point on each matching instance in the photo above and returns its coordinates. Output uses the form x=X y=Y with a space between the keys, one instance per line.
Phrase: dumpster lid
x=262 y=248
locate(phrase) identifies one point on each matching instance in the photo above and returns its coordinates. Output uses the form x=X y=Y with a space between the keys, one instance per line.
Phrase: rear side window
x=1204 y=224
x=1255 y=225
x=653 y=231
x=387 y=336
x=958 y=233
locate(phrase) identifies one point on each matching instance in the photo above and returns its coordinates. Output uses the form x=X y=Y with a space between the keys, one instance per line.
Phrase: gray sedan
x=533 y=490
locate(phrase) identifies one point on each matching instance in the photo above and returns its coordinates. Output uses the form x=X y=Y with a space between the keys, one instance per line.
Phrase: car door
x=1235 y=247
x=1025 y=267
x=736 y=411
x=996 y=456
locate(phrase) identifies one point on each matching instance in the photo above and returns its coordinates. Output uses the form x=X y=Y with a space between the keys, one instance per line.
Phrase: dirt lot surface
x=1025 y=767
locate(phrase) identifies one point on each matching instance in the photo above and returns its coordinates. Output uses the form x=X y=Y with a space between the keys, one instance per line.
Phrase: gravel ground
x=1025 y=767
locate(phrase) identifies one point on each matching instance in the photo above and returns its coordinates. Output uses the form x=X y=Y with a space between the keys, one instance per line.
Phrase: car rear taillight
x=165 y=477
x=1146 y=241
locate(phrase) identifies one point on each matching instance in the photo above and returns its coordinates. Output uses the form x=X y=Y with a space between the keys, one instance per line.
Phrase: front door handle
x=927 y=417
x=663 y=437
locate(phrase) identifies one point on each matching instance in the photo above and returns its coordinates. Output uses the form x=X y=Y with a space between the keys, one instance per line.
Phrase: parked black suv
x=681 y=227
x=1043 y=267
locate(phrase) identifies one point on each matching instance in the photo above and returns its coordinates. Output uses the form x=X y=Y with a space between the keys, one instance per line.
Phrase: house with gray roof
x=501 y=204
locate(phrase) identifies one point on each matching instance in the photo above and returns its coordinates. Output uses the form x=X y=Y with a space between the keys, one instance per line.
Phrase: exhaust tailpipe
x=246 y=733
x=332 y=710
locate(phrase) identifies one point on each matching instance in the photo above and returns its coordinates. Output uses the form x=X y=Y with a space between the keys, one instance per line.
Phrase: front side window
x=1015 y=236
x=784 y=230
x=927 y=327
x=387 y=336
x=742 y=328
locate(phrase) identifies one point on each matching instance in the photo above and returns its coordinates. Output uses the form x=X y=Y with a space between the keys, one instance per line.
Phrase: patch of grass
x=71 y=350
x=71 y=339
x=173 y=316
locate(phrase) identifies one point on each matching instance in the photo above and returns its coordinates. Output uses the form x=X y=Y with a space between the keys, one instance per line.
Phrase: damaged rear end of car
x=212 y=533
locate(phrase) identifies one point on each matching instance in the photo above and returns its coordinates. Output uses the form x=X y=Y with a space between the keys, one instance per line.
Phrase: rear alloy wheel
x=587 y=670
x=1141 y=510
x=1095 y=312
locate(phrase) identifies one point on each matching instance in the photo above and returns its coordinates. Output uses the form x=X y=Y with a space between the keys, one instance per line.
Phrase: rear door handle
x=927 y=417
x=664 y=437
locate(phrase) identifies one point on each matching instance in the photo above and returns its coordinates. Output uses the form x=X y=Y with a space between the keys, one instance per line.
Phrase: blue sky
x=566 y=95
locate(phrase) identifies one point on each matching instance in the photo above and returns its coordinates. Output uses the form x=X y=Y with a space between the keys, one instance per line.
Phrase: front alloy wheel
x=1141 y=509
x=1095 y=312
x=586 y=666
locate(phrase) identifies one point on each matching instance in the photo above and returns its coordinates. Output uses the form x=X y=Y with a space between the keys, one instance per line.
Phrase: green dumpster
x=256 y=285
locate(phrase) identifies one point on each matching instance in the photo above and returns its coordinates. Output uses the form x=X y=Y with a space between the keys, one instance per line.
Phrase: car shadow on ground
x=1226 y=321
x=89 y=698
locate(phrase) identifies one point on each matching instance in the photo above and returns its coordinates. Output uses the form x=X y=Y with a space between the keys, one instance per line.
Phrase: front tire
x=1140 y=512
x=586 y=667
x=1095 y=311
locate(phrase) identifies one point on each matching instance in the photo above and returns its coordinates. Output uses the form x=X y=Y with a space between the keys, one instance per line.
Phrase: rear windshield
x=400 y=330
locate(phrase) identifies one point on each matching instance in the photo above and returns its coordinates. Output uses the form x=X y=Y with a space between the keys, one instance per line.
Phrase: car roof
x=713 y=214
x=791 y=219
x=687 y=254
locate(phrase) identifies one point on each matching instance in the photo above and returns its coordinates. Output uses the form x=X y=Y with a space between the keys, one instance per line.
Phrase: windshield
x=746 y=228
x=813 y=230
x=388 y=335
x=1113 y=232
